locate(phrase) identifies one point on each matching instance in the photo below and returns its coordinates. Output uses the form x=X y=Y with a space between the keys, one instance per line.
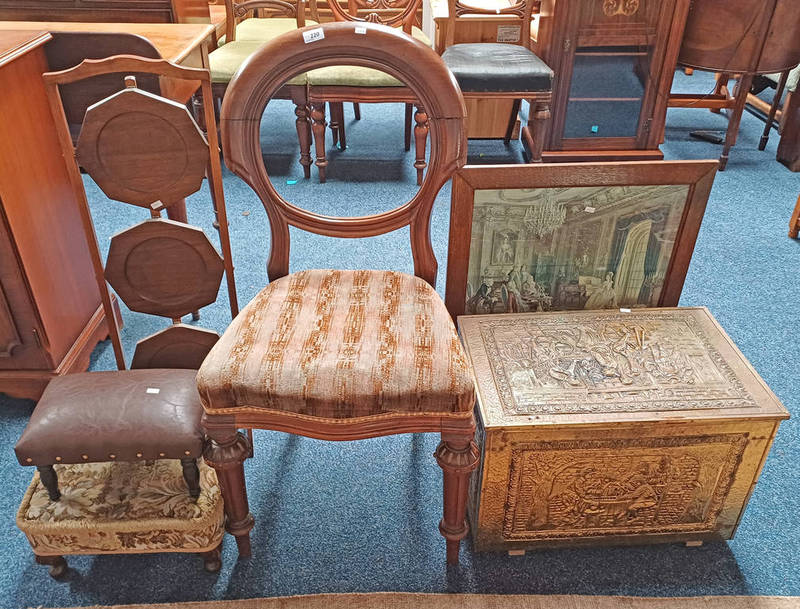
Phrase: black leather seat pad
x=486 y=66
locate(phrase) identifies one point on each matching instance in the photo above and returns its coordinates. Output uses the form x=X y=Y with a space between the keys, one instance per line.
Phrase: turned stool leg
x=191 y=474
x=57 y=564
x=226 y=453
x=303 y=126
x=49 y=478
x=318 y=129
x=421 y=140
x=458 y=457
x=212 y=560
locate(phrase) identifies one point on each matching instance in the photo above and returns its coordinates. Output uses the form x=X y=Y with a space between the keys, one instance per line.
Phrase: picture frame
x=573 y=235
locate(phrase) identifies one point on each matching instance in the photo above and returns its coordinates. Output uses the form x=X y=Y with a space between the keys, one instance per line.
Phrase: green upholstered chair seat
x=355 y=76
x=225 y=60
x=261 y=30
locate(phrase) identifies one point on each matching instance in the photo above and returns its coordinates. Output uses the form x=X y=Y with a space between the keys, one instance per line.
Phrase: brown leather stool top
x=127 y=415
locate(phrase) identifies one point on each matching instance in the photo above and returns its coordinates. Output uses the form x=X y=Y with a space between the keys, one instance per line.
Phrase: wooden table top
x=14 y=43
x=174 y=41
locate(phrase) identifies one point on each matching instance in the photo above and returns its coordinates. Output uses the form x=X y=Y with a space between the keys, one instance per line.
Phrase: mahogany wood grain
x=698 y=175
x=387 y=49
x=178 y=346
x=162 y=68
x=46 y=283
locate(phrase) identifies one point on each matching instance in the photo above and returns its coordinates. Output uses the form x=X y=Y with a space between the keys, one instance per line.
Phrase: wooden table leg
x=740 y=95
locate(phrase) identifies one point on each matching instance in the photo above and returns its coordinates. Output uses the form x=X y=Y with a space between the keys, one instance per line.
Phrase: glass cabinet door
x=606 y=92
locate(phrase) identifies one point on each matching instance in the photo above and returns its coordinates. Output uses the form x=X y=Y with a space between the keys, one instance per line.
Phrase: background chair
x=503 y=70
x=337 y=84
x=121 y=418
x=342 y=355
x=244 y=34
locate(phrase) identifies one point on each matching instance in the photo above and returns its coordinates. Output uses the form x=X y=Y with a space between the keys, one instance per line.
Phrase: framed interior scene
x=555 y=237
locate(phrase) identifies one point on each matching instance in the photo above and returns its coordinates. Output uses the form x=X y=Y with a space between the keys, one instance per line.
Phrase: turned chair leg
x=421 y=140
x=773 y=109
x=794 y=223
x=49 y=478
x=212 y=560
x=57 y=564
x=409 y=118
x=226 y=453
x=318 y=129
x=512 y=121
x=303 y=126
x=191 y=473
x=534 y=133
x=740 y=96
x=458 y=457
x=334 y=122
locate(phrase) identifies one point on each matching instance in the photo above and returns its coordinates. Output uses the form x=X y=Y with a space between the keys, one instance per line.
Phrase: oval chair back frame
x=379 y=47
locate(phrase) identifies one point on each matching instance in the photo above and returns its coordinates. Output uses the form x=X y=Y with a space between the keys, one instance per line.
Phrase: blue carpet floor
x=362 y=516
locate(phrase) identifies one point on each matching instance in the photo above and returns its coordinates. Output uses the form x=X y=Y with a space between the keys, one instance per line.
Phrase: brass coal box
x=613 y=427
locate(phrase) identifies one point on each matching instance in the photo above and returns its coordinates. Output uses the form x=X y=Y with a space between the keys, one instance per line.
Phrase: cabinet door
x=19 y=327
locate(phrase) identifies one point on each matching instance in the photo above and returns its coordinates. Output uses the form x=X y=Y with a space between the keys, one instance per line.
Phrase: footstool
x=613 y=427
x=123 y=508
x=125 y=418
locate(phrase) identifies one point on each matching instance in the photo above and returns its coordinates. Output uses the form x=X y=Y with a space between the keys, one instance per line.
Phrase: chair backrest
x=513 y=18
x=235 y=12
x=148 y=151
x=393 y=13
x=68 y=49
x=360 y=44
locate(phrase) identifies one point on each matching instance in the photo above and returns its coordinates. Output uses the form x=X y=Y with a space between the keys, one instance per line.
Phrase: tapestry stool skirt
x=123 y=508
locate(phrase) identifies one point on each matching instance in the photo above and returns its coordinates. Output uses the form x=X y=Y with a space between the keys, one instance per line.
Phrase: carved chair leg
x=226 y=452
x=334 y=107
x=212 y=560
x=512 y=121
x=421 y=140
x=409 y=118
x=538 y=118
x=49 y=478
x=357 y=111
x=740 y=95
x=57 y=564
x=318 y=129
x=191 y=474
x=794 y=223
x=458 y=457
x=303 y=125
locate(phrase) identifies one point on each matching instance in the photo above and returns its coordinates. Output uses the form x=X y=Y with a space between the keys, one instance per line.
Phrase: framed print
x=546 y=237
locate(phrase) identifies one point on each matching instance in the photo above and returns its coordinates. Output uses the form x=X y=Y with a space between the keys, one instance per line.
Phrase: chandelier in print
x=544 y=216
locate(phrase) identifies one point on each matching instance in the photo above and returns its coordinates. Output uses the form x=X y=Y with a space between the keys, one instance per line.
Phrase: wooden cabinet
x=613 y=62
x=50 y=315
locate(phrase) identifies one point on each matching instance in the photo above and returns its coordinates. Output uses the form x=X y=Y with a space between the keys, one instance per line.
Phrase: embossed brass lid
x=578 y=367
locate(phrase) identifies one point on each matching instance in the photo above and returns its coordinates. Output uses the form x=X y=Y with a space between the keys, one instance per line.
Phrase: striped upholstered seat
x=340 y=344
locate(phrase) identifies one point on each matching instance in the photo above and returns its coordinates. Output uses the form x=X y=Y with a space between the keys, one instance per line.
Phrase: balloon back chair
x=342 y=355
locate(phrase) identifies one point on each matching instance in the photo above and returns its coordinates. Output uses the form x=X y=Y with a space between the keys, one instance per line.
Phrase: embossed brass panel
x=612 y=427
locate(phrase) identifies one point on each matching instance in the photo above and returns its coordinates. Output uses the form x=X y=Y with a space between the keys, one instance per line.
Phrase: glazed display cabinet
x=614 y=61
